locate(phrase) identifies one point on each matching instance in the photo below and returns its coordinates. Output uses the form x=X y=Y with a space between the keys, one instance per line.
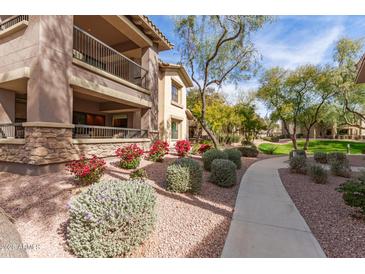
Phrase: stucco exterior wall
x=168 y=110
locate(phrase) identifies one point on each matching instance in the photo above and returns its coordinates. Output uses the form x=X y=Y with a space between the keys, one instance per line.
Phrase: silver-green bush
x=111 y=218
x=248 y=151
x=223 y=173
x=297 y=152
x=184 y=175
x=320 y=157
x=210 y=155
x=339 y=164
x=317 y=173
x=235 y=156
x=298 y=164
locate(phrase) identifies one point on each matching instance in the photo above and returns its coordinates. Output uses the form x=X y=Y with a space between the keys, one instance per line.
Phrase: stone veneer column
x=149 y=117
x=48 y=144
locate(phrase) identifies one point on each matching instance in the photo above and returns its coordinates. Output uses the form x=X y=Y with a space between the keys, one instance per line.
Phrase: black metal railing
x=11 y=21
x=100 y=132
x=96 y=53
x=14 y=130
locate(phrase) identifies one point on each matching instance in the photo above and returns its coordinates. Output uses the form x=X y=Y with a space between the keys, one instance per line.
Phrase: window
x=82 y=118
x=120 y=121
x=174 y=93
x=175 y=129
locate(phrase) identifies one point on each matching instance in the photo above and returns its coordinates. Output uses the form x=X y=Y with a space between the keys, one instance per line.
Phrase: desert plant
x=298 y=164
x=140 y=174
x=87 y=171
x=177 y=178
x=353 y=192
x=248 y=151
x=235 y=156
x=320 y=157
x=212 y=154
x=297 y=152
x=340 y=168
x=195 y=174
x=246 y=143
x=223 y=173
x=317 y=173
x=130 y=156
x=158 y=150
x=182 y=147
x=339 y=164
x=110 y=218
x=204 y=147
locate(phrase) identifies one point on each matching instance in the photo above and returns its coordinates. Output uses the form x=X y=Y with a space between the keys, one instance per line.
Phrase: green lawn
x=316 y=145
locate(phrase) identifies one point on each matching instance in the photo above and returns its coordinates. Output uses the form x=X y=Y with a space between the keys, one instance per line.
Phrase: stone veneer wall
x=45 y=145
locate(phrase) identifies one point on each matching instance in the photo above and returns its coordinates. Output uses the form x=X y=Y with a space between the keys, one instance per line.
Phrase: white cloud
x=300 y=47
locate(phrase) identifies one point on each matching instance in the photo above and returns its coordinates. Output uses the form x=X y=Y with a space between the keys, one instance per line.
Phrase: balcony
x=93 y=52
x=102 y=132
x=13 y=21
x=11 y=131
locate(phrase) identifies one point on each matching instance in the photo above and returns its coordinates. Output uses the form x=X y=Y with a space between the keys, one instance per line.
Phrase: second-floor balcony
x=90 y=50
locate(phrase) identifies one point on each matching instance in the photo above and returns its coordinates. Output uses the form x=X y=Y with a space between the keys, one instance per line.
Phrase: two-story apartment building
x=82 y=85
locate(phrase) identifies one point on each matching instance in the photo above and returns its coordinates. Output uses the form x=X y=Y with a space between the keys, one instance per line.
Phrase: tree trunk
x=306 y=141
x=210 y=133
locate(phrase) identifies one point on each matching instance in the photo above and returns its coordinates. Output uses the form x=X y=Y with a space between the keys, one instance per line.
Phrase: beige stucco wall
x=167 y=110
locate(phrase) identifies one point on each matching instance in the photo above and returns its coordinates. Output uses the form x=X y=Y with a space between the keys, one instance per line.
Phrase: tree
x=350 y=95
x=216 y=50
x=289 y=94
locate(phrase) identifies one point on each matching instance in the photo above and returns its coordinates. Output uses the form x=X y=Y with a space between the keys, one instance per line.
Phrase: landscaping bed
x=339 y=228
x=187 y=225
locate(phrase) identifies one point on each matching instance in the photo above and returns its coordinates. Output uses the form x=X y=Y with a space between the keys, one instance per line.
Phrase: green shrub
x=139 y=174
x=111 y=218
x=339 y=164
x=298 y=164
x=354 y=192
x=184 y=175
x=177 y=178
x=340 y=168
x=247 y=144
x=223 y=173
x=297 y=152
x=248 y=151
x=317 y=173
x=320 y=157
x=336 y=156
x=210 y=155
x=235 y=156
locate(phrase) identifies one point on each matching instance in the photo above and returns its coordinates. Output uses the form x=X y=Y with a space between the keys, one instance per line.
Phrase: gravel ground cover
x=187 y=225
x=339 y=228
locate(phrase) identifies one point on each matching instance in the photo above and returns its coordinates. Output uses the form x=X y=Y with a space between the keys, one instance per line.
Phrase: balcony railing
x=15 y=130
x=11 y=21
x=100 y=132
x=94 y=52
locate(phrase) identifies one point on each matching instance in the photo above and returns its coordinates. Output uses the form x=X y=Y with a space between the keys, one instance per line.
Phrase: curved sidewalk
x=266 y=223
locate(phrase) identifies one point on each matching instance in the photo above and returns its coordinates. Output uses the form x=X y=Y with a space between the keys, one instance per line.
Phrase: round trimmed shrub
x=297 y=152
x=336 y=156
x=177 y=178
x=247 y=144
x=318 y=174
x=111 y=218
x=353 y=192
x=248 y=151
x=235 y=156
x=298 y=164
x=184 y=175
x=210 y=155
x=340 y=168
x=223 y=173
x=320 y=157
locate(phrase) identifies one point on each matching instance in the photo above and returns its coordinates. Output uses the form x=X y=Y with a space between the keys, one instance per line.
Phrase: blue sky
x=289 y=41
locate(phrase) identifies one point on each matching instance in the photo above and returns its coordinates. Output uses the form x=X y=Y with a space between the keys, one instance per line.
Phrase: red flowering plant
x=182 y=147
x=130 y=156
x=158 y=150
x=204 y=147
x=87 y=171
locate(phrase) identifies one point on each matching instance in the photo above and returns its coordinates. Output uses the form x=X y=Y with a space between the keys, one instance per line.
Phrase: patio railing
x=11 y=21
x=14 y=130
x=96 y=53
x=100 y=132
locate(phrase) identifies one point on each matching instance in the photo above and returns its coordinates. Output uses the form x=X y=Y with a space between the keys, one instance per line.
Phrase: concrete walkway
x=10 y=242
x=266 y=222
